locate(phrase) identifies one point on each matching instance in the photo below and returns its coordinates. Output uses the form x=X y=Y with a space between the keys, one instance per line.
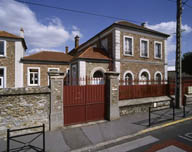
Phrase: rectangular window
x=34 y=76
x=2 y=48
x=158 y=50
x=128 y=45
x=1 y=78
x=144 y=48
x=104 y=44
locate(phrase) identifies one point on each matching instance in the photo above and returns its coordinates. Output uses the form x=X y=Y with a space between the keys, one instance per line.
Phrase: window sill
x=127 y=55
x=147 y=57
x=3 y=56
x=157 y=58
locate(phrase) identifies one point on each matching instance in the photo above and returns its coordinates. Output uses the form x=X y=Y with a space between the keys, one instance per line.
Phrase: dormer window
x=2 y=48
x=128 y=46
x=104 y=44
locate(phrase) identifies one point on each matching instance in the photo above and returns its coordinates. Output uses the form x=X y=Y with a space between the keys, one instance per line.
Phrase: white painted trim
x=4 y=75
x=117 y=44
x=158 y=72
x=142 y=39
x=82 y=72
x=49 y=71
x=158 y=42
x=128 y=72
x=28 y=79
x=165 y=56
x=5 y=48
x=144 y=70
x=97 y=69
x=130 y=37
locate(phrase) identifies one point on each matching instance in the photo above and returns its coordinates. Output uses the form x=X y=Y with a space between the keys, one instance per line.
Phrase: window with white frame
x=2 y=48
x=33 y=76
x=128 y=45
x=52 y=70
x=158 y=50
x=2 y=78
x=104 y=44
x=144 y=48
x=158 y=77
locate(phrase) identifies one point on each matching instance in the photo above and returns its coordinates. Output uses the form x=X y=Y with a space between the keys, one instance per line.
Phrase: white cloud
x=16 y=15
x=170 y=28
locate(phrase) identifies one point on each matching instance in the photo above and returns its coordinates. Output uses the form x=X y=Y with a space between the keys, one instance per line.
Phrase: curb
x=91 y=147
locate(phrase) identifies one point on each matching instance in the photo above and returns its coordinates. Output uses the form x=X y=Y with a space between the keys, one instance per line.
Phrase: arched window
x=98 y=74
x=158 y=77
x=144 y=76
x=128 y=78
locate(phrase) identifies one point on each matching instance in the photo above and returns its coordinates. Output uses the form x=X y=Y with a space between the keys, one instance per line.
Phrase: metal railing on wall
x=26 y=145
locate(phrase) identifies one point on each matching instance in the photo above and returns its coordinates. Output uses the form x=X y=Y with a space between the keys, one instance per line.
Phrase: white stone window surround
x=97 y=80
x=5 y=48
x=144 y=70
x=97 y=69
x=126 y=72
x=4 y=76
x=142 y=39
x=28 y=76
x=49 y=69
x=157 y=42
x=132 y=41
x=155 y=75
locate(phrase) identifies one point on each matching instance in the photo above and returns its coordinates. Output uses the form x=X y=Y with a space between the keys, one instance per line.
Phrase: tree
x=187 y=63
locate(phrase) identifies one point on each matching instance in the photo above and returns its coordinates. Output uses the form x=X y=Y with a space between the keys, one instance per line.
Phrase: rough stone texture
x=91 y=65
x=150 y=63
x=57 y=113
x=112 y=95
x=23 y=107
x=9 y=63
x=43 y=72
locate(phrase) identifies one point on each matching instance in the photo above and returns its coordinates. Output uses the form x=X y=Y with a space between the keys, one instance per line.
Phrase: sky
x=53 y=29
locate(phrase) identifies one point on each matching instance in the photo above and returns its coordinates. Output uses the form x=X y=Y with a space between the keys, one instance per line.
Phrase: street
x=175 y=138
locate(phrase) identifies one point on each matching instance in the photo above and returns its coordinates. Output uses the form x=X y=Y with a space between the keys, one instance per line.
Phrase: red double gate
x=83 y=103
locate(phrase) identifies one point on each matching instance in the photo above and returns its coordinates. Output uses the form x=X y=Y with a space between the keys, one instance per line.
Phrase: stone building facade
x=134 y=51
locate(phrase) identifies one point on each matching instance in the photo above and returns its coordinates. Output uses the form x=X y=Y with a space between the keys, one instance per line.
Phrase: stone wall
x=24 y=107
x=9 y=62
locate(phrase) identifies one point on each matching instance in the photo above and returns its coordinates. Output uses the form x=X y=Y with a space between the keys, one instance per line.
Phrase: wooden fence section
x=83 y=103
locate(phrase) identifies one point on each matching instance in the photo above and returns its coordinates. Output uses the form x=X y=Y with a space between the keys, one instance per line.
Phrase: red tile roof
x=9 y=35
x=48 y=56
x=93 y=53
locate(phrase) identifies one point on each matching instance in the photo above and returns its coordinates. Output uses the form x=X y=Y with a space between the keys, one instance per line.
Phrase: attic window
x=104 y=44
x=2 y=48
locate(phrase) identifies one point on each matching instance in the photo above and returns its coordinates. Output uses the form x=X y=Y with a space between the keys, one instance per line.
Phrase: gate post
x=56 y=117
x=112 y=95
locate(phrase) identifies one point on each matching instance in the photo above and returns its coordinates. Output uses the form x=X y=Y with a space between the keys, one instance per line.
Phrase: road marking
x=187 y=136
x=172 y=149
x=132 y=144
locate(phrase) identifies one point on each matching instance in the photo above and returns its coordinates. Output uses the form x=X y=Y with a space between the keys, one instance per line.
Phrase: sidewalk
x=74 y=138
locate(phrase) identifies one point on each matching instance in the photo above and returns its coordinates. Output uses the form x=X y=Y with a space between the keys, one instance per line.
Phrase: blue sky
x=52 y=29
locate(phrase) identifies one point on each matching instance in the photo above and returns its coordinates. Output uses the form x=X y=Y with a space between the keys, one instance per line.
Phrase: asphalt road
x=175 y=138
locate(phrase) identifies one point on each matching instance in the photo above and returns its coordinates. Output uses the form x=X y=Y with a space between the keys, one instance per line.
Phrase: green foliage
x=187 y=63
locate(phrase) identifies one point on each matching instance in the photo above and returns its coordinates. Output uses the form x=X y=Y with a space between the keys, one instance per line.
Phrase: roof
x=121 y=24
x=93 y=53
x=5 y=34
x=48 y=56
x=140 y=27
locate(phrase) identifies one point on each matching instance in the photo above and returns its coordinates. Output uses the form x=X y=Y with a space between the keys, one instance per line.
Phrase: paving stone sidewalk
x=68 y=139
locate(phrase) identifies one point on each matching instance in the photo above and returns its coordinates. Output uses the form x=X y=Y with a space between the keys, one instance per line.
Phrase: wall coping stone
x=22 y=91
x=140 y=101
x=112 y=74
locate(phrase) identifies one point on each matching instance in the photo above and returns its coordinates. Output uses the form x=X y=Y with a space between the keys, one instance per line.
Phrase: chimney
x=66 y=49
x=21 y=32
x=143 y=24
x=76 y=41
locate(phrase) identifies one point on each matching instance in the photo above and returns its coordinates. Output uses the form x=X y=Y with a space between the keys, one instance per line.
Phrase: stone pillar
x=112 y=95
x=56 y=105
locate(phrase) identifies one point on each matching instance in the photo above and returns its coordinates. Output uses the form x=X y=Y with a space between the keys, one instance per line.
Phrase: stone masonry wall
x=24 y=107
x=9 y=62
x=138 y=63
x=43 y=72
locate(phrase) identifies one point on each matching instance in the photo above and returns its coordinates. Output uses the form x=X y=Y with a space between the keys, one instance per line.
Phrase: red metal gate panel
x=83 y=103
